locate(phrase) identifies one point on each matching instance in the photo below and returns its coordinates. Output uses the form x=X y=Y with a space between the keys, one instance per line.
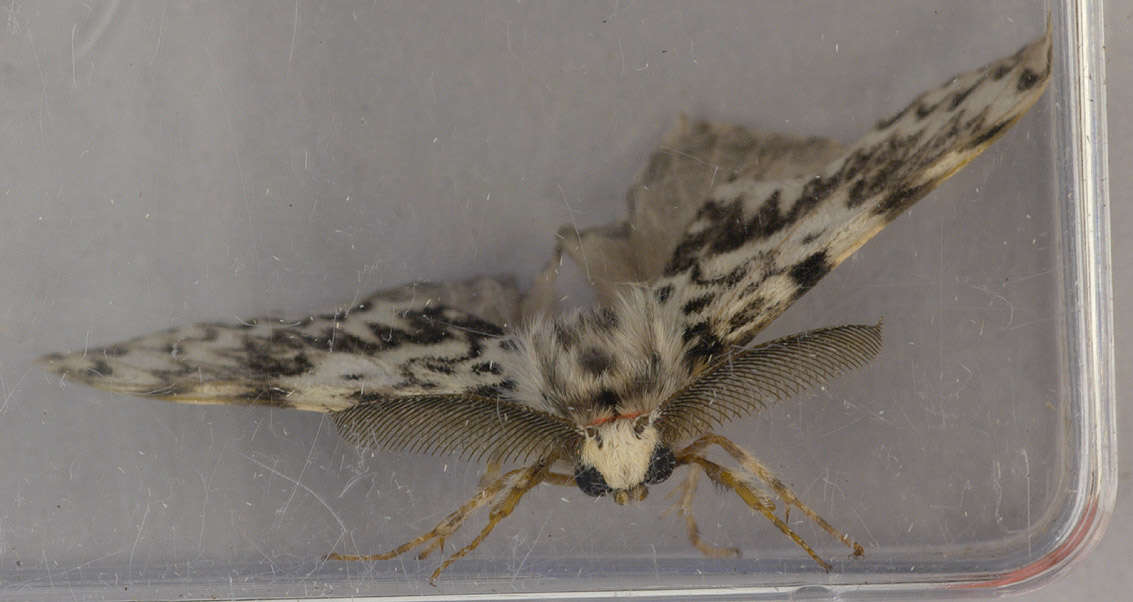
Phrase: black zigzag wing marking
x=692 y=159
x=474 y=427
x=744 y=382
x=756 y=246
x=409 y=340
x=665 y=197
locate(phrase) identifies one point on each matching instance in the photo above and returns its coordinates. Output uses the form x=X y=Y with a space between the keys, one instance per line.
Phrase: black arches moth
x=614 y=398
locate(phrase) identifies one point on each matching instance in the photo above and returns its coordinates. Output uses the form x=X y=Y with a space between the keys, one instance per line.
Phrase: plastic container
x=170 y=163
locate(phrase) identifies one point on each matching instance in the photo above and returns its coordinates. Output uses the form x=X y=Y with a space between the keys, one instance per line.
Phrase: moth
x=615 y=398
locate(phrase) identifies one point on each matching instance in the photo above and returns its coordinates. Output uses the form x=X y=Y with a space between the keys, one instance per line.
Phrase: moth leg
x=754 y=466
x=528 y=478
x=490 y=474
x=446 y=527
x=731 y=480
x=683 y=506
x=554 y=478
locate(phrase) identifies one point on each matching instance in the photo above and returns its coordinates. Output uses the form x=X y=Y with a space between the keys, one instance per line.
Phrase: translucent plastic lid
x=172 y=163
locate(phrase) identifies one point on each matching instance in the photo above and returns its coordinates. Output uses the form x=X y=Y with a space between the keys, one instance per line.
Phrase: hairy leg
x=527 y=480
x=731 y=480
x=554 y=478
x=491 y=473
x=683 y=506
x=754 y=466
x=692 y=456
x=519 y=480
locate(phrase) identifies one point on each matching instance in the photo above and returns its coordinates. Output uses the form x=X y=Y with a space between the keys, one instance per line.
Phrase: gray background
x=172 y=162
x=1105 y=574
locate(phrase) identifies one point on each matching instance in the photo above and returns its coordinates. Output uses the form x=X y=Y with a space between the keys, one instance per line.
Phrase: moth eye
x=661 y=465
x=590 y=481
x=639 y=425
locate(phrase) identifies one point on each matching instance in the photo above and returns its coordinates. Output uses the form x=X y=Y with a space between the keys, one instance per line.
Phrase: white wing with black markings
x=732 y=226
x=423 y=367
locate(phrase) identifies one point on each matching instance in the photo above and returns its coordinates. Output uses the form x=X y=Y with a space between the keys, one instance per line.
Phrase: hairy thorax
x=603 y=364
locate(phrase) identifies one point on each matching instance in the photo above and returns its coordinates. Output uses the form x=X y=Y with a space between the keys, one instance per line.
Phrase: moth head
x=620 y=456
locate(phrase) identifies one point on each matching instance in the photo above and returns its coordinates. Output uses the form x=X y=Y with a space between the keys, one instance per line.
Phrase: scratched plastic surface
x=166 y=163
